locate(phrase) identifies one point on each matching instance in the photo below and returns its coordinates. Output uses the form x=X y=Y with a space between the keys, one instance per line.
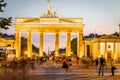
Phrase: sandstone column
x=79 y=45
x=98 y=54
x=68 y=44
x=114 y=51
x=29 y=45
x=56 y=44
x=41 y=45
x=105 y=53
x=18 y=44
x=84 y=48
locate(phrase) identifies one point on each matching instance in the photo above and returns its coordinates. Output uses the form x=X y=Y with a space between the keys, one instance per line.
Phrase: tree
x=4 y=22
x=74 y=46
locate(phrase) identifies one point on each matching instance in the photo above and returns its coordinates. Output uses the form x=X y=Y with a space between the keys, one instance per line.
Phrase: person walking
x=102 y=64
x=65 y=65
x=96 y=61
x=113 y=67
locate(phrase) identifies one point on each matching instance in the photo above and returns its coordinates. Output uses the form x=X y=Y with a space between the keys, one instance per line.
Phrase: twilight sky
x=100 y=16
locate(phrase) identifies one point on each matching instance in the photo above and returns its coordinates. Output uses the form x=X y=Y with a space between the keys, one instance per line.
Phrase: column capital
x=17 y=31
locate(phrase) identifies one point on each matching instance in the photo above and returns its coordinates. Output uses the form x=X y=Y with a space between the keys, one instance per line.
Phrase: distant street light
x=119 y=30
x=25 y=53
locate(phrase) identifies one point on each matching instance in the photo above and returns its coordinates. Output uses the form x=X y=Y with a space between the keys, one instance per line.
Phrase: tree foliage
x=2 y=4
x=74 y=46
x=6 y=36
x=24 y=47
x=4 y=22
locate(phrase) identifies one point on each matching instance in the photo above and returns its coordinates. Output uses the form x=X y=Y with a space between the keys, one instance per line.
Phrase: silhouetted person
x=102 y=64
x=113 y=67
x=96 y=61
x=65 y=65
x=23 y=65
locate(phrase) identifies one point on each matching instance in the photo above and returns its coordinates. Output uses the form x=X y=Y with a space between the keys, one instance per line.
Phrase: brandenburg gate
x=49 y=23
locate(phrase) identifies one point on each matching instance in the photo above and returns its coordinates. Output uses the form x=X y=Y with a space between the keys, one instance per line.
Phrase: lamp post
x=119 y=29
x=25 y=54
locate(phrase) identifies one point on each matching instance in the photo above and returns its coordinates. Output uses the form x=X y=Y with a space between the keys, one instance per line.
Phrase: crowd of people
x=65 y=63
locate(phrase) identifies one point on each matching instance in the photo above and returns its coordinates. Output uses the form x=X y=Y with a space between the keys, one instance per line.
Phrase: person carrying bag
x=113 y=67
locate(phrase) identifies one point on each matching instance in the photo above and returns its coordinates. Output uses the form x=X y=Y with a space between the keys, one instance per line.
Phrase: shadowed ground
x=52 y=73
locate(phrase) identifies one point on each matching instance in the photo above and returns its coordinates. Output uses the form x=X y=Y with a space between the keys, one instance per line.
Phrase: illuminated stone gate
x=49 y=23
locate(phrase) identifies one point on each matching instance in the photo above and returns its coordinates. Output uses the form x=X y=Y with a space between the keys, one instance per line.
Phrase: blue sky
x=100 y=16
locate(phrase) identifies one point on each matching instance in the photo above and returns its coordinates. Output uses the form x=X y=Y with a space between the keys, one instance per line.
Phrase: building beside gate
x=108 y=46
x=6 y=47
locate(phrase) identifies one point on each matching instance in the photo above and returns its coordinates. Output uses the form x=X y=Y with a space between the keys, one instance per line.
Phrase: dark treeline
x=6 y=36
x=95 y=35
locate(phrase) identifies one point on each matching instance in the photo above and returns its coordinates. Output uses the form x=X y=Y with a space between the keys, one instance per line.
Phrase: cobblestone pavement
x=52 y=73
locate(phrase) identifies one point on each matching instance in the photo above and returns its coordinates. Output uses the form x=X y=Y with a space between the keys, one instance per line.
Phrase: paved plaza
x=40 y=72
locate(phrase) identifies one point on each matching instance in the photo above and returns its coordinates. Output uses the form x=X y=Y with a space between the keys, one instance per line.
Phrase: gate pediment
x=110 y=37
x=49 y=20
x=49 y=24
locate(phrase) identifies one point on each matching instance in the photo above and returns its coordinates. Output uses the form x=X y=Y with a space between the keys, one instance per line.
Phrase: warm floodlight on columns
x=41 y=45
x=105 y=54
x=119 y=30
x=29 y=44
x=114 y=51
x=18 y=44
x=98 y=49
x=56 y=44
x=68 y=44
x=80 y=45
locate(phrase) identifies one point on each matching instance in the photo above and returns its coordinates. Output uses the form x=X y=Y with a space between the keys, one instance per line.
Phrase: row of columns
x=106 y=50
x=29 y=44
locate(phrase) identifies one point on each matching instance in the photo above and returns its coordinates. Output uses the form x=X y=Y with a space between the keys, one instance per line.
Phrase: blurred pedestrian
x=113 y=67
x=96 y=61
x=65 y=65
x=102 y=64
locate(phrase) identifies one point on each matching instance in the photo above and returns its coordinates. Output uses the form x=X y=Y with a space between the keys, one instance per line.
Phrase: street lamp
x=119 y=30
x=25 y=54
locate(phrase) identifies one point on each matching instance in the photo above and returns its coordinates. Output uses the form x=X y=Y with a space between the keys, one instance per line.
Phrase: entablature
x=107 y=40
x=50 y=27
x=48 y=20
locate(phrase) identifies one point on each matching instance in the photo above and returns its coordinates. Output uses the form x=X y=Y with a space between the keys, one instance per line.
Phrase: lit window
x=109 y=46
